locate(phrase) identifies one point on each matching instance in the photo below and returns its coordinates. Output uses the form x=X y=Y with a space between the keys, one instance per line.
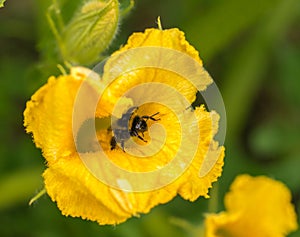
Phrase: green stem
x=61 y=69
x=159 y=23
x=214 y=199
x=36 y=197
x=54 y=30
x=53 y=27
x=127 y=9
x=57 y=11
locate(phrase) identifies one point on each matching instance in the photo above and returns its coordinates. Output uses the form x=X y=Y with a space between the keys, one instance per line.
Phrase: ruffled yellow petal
x=169 y=38
x=128 y=74
x=255 y=206
x=79 y=194
x=75 y=190
x=48 y=115
x=195 y=185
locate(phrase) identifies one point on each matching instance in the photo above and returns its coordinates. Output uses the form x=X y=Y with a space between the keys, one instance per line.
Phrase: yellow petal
x=255 y=206
x=169 y=38
x=79 y=194
x=48 y=115
x=195 y=185
x=73 y=187
x=154 y=56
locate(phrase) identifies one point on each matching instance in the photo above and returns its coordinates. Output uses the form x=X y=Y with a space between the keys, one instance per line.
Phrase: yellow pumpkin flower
x=255 y=206
x=97 y=173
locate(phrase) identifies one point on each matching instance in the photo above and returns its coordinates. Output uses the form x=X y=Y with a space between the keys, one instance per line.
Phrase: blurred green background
x=251 y=49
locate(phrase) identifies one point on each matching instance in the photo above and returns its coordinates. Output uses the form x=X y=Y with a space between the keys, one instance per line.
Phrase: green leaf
x=275 y=138
x=247 y=67
x=287 y=170
x=289 y=70
x=215 y=29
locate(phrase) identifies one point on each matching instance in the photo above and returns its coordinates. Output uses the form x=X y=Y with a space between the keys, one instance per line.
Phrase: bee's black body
x=124 y=131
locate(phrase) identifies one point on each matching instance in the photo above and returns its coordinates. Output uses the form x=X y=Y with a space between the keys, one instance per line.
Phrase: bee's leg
x=141 y=138
x=135 y=133
x=113 y=143
x=123 y=145
x=151 y=117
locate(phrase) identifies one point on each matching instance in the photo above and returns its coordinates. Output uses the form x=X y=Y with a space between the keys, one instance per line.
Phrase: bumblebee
x=126 y=129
